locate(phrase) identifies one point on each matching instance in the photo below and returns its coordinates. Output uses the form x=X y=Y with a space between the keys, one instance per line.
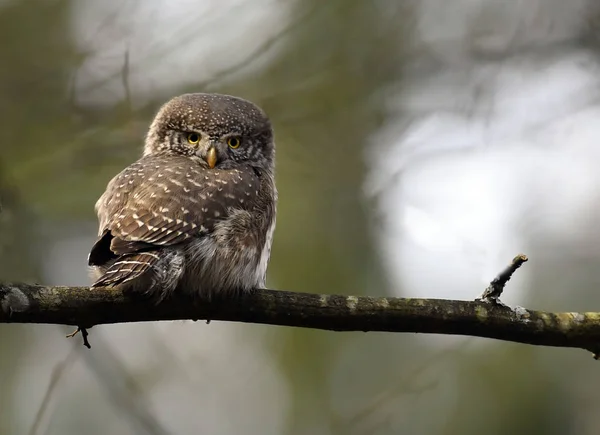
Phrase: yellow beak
x=211 y=157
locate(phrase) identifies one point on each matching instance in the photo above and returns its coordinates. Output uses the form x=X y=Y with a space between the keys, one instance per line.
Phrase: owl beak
x=211 y=157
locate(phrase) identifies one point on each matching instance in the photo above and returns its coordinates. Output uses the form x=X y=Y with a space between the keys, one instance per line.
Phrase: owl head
x=220 y=131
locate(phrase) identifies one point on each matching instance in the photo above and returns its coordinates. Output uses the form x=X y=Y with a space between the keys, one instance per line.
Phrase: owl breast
x=265 y=255
x=234 y=257
x=225 y=262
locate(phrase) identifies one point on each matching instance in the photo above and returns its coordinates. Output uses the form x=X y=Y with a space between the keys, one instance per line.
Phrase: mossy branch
x=86 y=307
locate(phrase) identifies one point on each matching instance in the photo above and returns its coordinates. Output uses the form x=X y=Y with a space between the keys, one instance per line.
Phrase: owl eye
x=234 y=142
x=193 y=138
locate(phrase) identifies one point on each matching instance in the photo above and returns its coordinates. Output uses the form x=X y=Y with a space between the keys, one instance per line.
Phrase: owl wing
x=164 y=201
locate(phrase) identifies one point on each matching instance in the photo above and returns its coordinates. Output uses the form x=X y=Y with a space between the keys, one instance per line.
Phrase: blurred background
x=421 y=145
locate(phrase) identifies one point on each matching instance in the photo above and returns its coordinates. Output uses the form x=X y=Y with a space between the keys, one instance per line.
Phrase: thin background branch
x=55 y=378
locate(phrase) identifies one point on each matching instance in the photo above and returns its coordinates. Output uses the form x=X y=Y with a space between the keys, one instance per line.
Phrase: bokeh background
x=421 y=145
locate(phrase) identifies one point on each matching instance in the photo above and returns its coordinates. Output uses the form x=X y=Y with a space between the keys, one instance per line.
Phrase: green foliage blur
x=325 y=90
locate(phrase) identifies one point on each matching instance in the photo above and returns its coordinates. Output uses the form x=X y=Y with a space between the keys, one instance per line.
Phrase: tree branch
x=85 y=307
x=485 y=317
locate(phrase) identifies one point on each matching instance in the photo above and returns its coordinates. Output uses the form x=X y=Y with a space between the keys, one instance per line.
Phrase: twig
x=57 y=374
x=403 y=385
x=125 y=81
x=492 y=293
x=84 y=335
x=86 y=307
x=237 y=66
x=123 y=390
x=247 y=60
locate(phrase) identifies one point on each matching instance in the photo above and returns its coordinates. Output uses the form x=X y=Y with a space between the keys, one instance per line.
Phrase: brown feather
x=126 y=268
x=147 y=213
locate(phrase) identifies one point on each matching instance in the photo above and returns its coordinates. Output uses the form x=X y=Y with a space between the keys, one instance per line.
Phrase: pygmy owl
x=196 y=212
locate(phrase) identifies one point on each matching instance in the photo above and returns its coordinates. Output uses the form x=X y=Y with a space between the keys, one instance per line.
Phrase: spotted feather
x=143 y=217
x=126 y=268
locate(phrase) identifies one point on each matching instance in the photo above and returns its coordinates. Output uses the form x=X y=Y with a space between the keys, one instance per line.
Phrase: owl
x=196 y=213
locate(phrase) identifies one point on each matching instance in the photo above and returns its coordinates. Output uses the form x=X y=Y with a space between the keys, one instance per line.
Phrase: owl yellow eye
x=193 y=138
x=233 y=142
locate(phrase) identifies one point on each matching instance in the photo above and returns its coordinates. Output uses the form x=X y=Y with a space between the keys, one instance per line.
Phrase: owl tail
x=126 y=268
